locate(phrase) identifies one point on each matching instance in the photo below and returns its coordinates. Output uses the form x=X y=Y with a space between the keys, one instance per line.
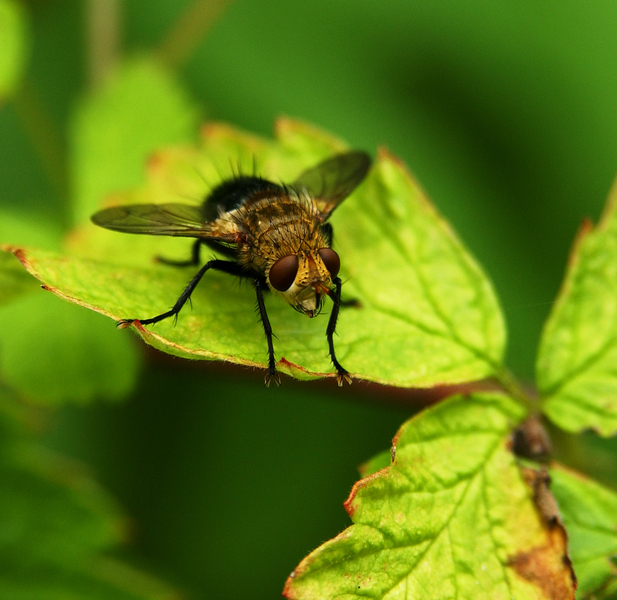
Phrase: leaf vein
x=580 y=369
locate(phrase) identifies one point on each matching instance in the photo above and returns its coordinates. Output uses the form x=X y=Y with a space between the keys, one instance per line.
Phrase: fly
x=274 y=234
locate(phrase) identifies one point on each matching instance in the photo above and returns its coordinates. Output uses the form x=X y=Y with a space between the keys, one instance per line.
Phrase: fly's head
x=305 y=278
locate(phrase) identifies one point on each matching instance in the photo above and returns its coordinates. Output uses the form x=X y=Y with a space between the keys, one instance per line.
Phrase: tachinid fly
x=276 y=235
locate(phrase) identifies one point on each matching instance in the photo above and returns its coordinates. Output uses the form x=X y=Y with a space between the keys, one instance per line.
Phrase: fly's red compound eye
x=283 y=272
x=331 y=260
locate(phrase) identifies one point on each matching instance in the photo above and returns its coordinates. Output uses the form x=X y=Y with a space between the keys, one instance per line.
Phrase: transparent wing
x=332 y=180
x=181 y=220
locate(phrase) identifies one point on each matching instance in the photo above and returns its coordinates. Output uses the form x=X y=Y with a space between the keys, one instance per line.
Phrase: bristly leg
x=342 y=374
x=272 y=375
x=218 y=265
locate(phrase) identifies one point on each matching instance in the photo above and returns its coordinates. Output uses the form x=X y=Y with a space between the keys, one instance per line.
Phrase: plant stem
x=188 y=31
x=103 y=18
x=514 y=388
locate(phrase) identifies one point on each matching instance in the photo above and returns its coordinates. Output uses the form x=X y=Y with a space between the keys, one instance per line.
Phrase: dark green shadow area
x=228 y=482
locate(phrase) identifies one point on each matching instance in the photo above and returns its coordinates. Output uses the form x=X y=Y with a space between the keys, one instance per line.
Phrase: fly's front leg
x=218 y=265
x=342 y=374
x=260 y=286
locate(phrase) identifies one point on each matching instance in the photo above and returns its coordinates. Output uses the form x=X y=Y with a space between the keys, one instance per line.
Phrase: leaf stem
x=517 y=391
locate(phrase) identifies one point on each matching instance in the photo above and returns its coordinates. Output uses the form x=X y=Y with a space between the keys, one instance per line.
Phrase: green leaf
x=428 y=314
x=452 y=517
x=589 y=513
x=429 y=305
x=55 y=353
x=116 y=128
x=13 y=45
x=56 y=523
x=577 y=360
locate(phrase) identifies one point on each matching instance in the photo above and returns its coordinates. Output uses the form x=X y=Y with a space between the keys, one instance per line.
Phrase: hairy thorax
x=273 y=227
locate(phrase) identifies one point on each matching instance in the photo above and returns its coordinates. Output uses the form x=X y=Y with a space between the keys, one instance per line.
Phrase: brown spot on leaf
x=547 y=566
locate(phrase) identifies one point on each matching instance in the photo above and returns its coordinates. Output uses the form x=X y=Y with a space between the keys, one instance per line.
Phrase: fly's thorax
x=277 y=226
x=283 y=238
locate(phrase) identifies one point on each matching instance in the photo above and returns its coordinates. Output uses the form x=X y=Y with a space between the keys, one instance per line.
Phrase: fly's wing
x=182 y=220
x=332 y=180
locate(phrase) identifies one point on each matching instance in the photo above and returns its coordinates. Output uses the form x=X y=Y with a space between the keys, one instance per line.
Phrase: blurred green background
x=506 y=113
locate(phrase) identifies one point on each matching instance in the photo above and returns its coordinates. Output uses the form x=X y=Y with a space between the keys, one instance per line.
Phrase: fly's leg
x=342 y=374
x=191 y=262
x=218 y=265
x=272 y=375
